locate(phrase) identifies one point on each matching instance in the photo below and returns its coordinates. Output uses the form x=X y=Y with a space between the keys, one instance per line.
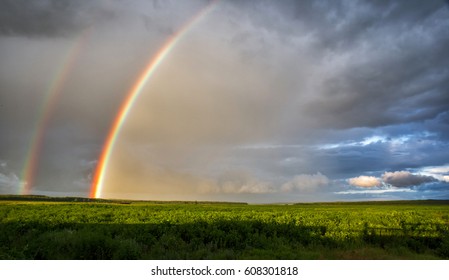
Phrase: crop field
x=32 y=229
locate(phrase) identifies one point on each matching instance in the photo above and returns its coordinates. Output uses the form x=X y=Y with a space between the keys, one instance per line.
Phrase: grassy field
x=67 y=228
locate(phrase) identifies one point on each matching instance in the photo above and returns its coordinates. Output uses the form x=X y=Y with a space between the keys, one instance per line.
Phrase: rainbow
x=44 y=114
x=126 y=106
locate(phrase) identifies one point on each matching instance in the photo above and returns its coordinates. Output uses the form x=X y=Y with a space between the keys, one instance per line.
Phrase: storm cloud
x=257 y=101
x=50 y=18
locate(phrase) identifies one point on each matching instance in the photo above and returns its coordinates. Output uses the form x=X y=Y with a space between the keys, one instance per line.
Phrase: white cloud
x=365 y=181
x=439 y=172
x=372 y=140
x=305 y=183
x=362 y=143
x=437 y=169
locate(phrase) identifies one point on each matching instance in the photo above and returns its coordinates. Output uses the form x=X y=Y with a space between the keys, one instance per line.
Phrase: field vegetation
x=48 y=228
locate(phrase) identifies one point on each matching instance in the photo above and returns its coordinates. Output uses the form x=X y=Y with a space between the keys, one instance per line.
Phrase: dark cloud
x=372 y=64
x=440 y=187
x=405 y=179
x=256 y=97
x=439 y=126
x=388 y=90
x=48 y=18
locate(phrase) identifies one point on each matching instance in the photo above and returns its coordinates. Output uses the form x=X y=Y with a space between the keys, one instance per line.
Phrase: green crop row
x=60 y=230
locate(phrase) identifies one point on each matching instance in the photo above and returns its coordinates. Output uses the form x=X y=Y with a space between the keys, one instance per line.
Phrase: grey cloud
x=405 y=179
x=49 y=18
x=439 y=125
x=377 y=93
x=10 y=183
x=373 y=87
x=434 y=186
x=256 y=87
x=398 y=147
x=391 y=70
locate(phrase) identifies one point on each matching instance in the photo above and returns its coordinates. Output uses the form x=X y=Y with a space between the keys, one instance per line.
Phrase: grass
x=65 y=229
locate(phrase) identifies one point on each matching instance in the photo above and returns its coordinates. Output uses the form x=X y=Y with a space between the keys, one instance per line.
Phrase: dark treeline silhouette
x=44 y=198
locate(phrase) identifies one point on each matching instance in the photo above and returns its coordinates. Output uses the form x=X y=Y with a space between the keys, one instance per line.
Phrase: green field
x=40 y=228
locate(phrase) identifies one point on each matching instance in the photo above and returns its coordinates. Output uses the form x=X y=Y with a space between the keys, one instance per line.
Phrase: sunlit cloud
x=365 y=181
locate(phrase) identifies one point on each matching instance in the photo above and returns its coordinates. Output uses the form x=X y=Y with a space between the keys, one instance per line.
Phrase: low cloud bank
x=399 y=179
x=306 y=183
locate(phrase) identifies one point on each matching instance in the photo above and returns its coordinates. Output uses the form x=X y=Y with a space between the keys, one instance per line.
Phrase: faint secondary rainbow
x=131 y=97
x=50 y=100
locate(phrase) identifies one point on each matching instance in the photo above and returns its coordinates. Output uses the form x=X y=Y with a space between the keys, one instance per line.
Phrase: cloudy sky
x=259 y=101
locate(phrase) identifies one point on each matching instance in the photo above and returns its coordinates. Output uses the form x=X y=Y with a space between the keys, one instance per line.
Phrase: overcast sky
x=260 y=101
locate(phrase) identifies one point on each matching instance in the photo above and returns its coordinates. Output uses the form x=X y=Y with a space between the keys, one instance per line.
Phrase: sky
x=258 y=101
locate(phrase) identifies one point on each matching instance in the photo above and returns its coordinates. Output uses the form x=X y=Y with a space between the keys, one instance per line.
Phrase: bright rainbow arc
x=45 y=112
x=133 y=94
